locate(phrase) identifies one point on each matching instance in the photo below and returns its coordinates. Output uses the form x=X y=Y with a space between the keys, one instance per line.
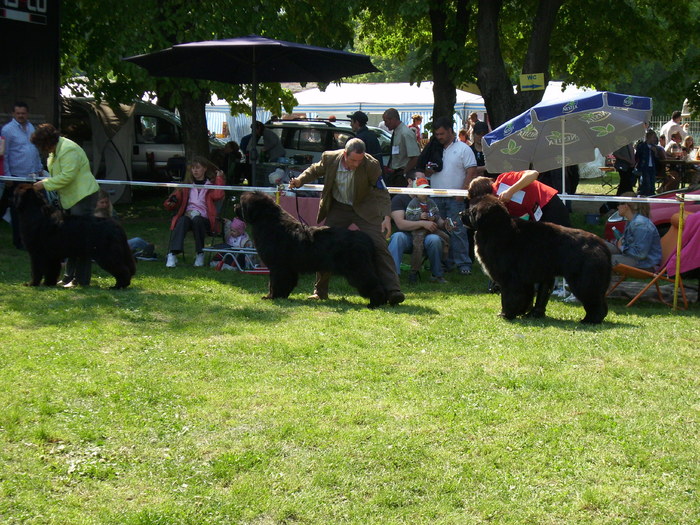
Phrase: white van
x=124 y=142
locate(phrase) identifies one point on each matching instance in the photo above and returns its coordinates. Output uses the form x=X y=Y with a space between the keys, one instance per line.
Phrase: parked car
x=661 y=213
x=305 y=140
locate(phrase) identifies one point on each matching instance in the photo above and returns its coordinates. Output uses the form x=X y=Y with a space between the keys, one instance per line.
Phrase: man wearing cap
x=358 y=122
x=403 y=241
x=404 y=149
x=353 y=193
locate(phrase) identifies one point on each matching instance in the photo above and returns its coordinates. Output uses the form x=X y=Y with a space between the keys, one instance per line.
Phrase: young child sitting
x=423 y=208
x=235 y=236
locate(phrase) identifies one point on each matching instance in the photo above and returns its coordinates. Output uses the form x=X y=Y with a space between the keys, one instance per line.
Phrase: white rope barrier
x=393 y=190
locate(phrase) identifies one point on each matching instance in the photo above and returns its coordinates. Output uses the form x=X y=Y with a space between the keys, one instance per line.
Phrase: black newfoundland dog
x=50 y=236
x=523 y=255
x=289 y=248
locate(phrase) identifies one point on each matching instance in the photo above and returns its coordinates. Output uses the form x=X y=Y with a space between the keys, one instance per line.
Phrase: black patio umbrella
x=252 y=59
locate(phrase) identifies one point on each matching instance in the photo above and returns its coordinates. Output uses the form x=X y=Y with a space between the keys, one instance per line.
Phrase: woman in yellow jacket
x=77 y=189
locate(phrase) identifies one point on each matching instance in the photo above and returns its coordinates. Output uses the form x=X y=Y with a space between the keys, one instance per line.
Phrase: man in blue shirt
x=21 y=157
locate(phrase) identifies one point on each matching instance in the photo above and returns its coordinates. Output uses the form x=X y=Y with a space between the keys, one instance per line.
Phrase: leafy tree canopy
x=634 y=46
x=95 y=36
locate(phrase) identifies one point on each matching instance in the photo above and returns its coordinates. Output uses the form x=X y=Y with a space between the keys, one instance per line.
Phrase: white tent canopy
x=374 y=99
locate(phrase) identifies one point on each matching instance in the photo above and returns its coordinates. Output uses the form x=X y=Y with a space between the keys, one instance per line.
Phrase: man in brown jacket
x=353 y=193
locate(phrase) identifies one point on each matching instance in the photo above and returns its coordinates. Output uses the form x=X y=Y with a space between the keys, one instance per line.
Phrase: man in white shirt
x=673 y=126
x=458 y=169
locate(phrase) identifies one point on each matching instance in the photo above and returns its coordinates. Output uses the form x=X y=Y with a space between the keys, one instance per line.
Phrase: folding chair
x=244 y=260
x=668 y=252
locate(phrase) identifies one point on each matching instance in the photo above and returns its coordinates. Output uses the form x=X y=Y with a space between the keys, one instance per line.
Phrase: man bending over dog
x=354 y=193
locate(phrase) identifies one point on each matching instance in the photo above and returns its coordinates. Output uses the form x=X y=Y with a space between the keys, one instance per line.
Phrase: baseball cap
x=421 y=183
x=359 y=116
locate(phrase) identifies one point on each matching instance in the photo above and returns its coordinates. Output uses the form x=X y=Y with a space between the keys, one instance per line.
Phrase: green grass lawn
x=187 y=399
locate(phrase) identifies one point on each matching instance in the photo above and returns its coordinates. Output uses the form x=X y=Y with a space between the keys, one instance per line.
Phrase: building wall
x=29 y=69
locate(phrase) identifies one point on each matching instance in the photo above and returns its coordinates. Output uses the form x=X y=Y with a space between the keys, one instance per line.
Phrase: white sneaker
x=560 y=292
x=199 y=260
x=172 y=261
x=571 y=299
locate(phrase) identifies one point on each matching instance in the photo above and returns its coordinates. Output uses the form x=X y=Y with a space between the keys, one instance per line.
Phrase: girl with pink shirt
x=195 y=209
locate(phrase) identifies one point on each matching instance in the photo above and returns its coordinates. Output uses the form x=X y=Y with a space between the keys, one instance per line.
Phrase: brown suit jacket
x=370 y=202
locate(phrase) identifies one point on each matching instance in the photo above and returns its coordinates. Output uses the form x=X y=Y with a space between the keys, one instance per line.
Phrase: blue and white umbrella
x=557 y=134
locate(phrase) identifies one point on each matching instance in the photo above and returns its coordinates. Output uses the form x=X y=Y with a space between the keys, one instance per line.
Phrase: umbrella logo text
x=556 y=138
x=529 y=133
x=571 y=106
x=594 y=116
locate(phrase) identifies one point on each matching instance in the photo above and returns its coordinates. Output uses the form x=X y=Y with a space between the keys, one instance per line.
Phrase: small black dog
x=50 y=236
x=289 y=248
x=520 y=254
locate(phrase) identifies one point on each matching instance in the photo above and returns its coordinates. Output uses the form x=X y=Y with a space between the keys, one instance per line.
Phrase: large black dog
x=289 y=248
x=521 y=255
x=50 y=236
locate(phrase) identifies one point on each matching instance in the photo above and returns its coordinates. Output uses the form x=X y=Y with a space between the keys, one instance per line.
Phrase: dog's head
x=255 y=206
x=25 y=196
x=486 y=211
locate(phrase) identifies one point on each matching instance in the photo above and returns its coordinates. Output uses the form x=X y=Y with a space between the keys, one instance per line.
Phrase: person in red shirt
x=524 y=196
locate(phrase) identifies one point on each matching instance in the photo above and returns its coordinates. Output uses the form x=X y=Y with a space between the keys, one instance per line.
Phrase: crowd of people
x=355 y=192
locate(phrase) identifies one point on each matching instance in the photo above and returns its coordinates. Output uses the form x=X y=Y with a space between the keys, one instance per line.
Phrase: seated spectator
x=674 y=151
x=691 y=154
x=403 y=241
x=524 y=196
x=142 y=249
x=423 y=208
x=235 y=236
x=195 y=209
x=640 y=244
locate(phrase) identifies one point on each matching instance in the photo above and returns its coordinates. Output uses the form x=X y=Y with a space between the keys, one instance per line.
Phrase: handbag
x=171 y=202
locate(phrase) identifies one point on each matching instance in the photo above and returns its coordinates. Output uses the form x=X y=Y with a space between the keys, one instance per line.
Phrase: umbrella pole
x=254 y=129
x=563 y=157
x=563 y=184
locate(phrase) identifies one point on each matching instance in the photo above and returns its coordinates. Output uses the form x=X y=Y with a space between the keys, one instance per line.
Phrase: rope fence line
x=393 y=190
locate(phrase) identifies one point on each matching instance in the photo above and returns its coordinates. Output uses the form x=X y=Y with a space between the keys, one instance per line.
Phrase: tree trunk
x=194 y=123
x=444 y=32
x=492 y=78
x=537 y=58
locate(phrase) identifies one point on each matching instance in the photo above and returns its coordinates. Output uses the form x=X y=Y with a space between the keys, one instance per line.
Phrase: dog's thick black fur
x=50 y=236
x=289 y=248
x=521 y=255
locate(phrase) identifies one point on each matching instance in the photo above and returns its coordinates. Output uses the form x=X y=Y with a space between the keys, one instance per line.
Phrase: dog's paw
x=535 y=314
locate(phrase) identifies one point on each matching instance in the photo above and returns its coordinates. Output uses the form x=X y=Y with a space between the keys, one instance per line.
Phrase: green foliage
x=97 y=35
x=628 y=46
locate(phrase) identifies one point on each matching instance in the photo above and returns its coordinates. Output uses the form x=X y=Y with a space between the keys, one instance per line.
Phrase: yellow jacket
x=70 y=173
